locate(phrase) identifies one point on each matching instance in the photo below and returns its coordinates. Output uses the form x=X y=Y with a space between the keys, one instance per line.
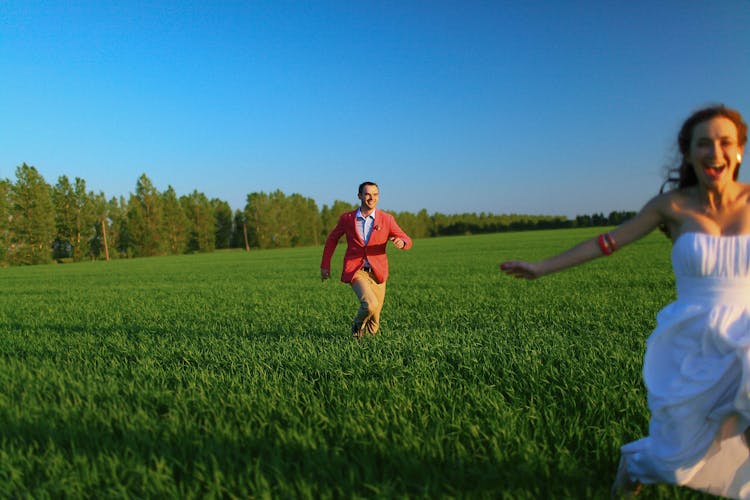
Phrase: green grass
x=233 y=375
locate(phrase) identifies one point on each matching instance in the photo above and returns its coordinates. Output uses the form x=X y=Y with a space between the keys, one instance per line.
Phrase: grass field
x=233 y=375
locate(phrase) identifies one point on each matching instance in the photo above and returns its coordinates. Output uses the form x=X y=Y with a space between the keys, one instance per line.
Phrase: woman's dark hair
x=683 y=175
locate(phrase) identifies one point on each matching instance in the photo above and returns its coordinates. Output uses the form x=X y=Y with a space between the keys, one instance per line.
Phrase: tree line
x=41 y=223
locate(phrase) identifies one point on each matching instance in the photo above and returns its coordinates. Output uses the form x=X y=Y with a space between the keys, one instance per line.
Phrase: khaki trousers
x=371 y=295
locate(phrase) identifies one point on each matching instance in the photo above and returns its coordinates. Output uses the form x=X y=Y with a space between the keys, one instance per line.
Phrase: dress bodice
x=712 y=268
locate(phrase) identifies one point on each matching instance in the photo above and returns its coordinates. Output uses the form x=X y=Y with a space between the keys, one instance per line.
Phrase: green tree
x=176 y=223
x=276 y=221
x=33 y=218
x=239 y=231
x=329 y=217
x=302 y=220
x=5 y=219
x=146 y=220
x=258 y=214
x=408 y=222
x=62 y=194
x=119 y=237
x=424 y=227
x=101 y=242
x=223 y=221
x=202 y=221
x=74 y=218
x=417 y=225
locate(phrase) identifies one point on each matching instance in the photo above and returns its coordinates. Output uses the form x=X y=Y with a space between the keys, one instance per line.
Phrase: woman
x=697 y=362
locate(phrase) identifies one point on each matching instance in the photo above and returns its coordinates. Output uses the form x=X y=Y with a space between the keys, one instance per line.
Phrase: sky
x=527 y=107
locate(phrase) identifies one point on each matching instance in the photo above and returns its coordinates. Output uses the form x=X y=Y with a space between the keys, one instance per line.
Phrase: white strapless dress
x=697 y=373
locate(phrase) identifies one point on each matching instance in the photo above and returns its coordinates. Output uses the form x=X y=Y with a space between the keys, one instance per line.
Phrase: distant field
x=233 y=375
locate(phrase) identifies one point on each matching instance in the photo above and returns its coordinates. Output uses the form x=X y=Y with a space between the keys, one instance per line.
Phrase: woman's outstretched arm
x=631 y=230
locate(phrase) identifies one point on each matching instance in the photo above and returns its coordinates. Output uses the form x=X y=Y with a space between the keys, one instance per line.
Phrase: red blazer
x=384 y=228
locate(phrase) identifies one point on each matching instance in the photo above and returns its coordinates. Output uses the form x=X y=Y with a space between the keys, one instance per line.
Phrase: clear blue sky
x=539 y=107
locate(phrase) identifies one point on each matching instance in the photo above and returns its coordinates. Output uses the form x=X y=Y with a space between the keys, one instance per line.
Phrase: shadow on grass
x=92 y=455
x=260 y=466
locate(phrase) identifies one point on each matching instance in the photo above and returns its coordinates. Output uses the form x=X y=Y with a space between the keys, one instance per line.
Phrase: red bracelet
x=606 y=250
x=611 y=242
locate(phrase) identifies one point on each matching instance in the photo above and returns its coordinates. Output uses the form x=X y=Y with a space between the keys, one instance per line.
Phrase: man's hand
x=324 y=274
x=398 y=242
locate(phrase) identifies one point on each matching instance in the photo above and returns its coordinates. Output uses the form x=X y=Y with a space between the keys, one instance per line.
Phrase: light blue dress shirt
x=364 y=226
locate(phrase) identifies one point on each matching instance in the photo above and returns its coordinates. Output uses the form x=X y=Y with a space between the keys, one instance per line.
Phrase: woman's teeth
x=714 y=170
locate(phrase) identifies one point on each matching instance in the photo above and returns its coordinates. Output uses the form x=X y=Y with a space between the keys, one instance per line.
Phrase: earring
x=739 y=158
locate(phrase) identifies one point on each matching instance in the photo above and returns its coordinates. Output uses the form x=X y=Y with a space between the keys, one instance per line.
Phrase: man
x=367 y=233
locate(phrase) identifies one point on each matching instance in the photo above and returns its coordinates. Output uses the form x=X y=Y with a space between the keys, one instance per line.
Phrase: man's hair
x=364 y=184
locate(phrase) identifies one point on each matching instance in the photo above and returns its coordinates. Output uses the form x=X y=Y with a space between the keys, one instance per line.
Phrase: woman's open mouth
x=714 y=171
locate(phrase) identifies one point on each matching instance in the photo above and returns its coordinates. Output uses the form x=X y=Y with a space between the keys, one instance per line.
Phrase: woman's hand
x=521 y=269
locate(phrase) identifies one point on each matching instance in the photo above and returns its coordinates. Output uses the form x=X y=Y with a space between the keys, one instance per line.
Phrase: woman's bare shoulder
x=671 y=201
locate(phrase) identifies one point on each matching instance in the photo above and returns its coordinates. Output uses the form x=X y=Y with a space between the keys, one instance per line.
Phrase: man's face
x=369 y=197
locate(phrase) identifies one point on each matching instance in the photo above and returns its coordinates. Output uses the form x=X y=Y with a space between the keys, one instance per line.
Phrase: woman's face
x=713 y=151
